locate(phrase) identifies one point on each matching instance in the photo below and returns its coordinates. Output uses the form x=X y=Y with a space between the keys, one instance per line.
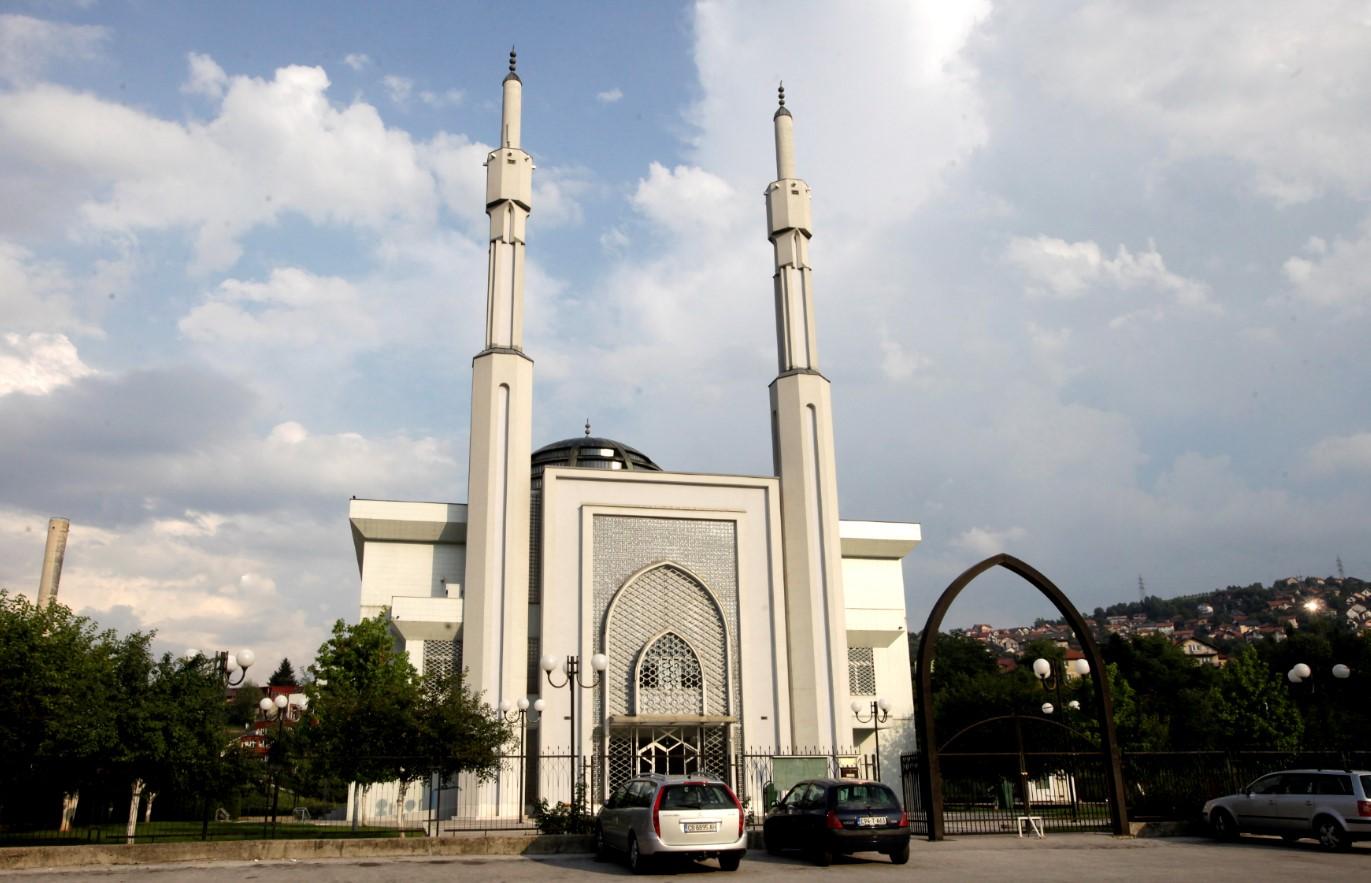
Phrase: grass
x=174 y=832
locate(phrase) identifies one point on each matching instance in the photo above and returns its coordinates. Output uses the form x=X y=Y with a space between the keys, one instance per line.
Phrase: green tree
x=242 y=708
x=1250 y=708
x=364 y=702
x=459 y=733
x=284 y=676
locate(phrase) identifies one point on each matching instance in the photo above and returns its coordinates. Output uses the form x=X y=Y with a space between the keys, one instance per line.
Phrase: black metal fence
x=261 y=801
x=986 y=793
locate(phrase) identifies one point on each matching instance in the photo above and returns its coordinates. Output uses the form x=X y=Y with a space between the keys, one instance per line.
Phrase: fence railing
x=984 y=793
x=259 y=801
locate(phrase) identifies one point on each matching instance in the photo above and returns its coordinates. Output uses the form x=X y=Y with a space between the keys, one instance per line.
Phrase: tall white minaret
x=495 y=606
x=802 y=447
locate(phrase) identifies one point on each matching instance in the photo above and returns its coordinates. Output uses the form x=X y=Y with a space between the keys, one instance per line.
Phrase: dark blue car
x=828 y=817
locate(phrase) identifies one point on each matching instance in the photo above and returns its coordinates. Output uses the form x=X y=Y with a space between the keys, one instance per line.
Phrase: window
x=442 y=658
x=669 y=678
x=861 y=671
x=857 y=797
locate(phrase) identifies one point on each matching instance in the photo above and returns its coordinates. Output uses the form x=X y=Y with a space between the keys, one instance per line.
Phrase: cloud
x=293 y=309
x=1267 y=84
x=1341 y=454
x=45 y=295
x=686 y=198
x=981 y=542
x=276 y=147
x=36 y=364
x=1333 y=275
x=1055 y=268
x=357 y=60
x=398 y=88
x=207 y=78
x=610 y=96
x=28 y=45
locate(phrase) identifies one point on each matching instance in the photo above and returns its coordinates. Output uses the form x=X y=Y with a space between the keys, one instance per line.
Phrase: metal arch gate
x=929 y=781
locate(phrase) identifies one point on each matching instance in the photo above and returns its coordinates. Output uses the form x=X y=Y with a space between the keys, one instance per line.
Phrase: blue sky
x=1090 y=280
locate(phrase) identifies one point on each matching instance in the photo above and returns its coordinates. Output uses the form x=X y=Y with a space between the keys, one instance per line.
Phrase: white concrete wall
x=408 y=569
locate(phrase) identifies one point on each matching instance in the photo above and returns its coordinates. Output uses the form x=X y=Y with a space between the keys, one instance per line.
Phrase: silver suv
x=1331 y=806
x=656 y=816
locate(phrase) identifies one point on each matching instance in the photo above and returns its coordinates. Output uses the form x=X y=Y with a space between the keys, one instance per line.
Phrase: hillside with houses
x=1207 y=627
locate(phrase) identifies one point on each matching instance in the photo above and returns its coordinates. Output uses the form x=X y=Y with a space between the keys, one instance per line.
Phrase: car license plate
x=701 y=827
x=870 y=821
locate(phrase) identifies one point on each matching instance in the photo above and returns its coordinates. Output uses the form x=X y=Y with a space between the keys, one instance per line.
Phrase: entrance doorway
x=670 y=750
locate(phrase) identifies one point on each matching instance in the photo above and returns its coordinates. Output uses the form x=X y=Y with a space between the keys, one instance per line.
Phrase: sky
x=1090 y=281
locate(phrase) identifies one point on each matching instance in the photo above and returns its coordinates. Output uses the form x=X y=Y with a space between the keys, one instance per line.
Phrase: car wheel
x=601 y=847
x=772 y=839
x=900 y=855
x=823 y=855
x=729 y=861
x=637 y=862
x=1223 y=825
x=1330 y=834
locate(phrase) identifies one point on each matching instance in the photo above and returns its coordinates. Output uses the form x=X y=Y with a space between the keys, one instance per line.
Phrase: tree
x=284 y=676
x=458 y=733
x=1249 y=707
x=242 y=708
x=364 y=703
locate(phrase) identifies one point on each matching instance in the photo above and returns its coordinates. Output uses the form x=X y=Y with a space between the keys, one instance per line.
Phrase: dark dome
x=588 y=452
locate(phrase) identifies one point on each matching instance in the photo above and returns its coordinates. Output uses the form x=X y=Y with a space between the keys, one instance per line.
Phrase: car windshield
x=866 y=797
x=696 y=796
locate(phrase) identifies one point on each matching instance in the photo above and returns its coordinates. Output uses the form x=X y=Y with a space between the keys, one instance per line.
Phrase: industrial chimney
x=53 y=554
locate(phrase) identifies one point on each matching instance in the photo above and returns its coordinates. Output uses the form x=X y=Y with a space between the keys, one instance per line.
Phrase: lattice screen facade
x=443 y=658
x=861 y=671
x=669 y=678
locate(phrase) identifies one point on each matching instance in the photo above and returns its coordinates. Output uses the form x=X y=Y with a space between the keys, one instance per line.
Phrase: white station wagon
x=1331 y=806
x=687 y=817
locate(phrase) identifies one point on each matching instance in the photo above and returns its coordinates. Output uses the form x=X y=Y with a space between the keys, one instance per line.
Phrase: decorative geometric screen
x=669 y=678
x=861 y=671
x=442 y=658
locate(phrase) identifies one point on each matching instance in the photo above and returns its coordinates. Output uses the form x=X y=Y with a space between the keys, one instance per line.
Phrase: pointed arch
x=931 y=784
x=667 y=675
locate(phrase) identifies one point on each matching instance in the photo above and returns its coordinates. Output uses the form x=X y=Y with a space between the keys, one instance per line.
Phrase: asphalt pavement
x=1071 y=857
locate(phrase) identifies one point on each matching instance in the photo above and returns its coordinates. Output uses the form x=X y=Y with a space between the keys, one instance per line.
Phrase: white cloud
x=1266 y=83
x=398 y=88
x=28 y=45
x=687 y=199
x=293 y=309
x=610 y=96
x=207 y=78
x=356 y=60
x=1055 y=268
x=1341 y=454
x=36 y=364
x=440 y=100
x=1334 y=275
x=276 y=146
x=981 y=542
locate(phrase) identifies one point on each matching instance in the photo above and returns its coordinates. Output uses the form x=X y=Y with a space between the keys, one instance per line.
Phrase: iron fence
x=986 y=792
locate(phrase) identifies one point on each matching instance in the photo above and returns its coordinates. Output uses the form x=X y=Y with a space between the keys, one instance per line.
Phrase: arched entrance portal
x=930 y=773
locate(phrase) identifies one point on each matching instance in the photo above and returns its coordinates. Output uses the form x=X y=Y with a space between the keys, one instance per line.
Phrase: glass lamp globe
x=246 y=658
x=882 y=705
x=1042 y=668
x=1048 y=708
x=548 y=662
x=599 y=662
x=266 y=704
x=522 y=703
x=1081 y=666
x=282 y=700
x=1302 y=670
x=1341 y=671
x=856 y=706
x=539 y=705
x=505 y=707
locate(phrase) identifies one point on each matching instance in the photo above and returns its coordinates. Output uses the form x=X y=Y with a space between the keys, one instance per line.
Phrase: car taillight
x=1364 y=807
x=833 y=821
x=904 y=820
x=739 y=805
x=656 y=812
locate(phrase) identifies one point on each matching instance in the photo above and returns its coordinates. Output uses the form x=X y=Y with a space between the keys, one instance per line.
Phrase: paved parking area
x=1079 y=857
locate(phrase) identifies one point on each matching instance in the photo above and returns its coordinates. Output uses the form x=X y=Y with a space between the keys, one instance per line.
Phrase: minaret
x=802 y=447
x=495 y=606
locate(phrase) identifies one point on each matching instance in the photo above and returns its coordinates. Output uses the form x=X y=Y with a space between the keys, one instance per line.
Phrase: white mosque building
x=731 y=613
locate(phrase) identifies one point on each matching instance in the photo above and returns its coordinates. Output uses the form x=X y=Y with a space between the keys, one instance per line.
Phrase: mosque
x=707 y=615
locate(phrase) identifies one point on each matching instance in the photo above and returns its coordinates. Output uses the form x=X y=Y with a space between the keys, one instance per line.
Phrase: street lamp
x=877 y=715
x=573 y=679
x=278 y=707
x=1300 y=672
x=232 y=667
x=1051 y=677
x=518 y=713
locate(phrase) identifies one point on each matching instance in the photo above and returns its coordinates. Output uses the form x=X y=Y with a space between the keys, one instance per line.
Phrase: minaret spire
x=495 y=598
x=805 y=461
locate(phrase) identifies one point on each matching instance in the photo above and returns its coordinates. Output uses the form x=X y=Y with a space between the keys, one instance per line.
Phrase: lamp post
x=878 y=714
x=518 y=713
x=1051 y=676
x=573 y=679
x=278 y=707
x=1301 y=672
x=231 y=667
